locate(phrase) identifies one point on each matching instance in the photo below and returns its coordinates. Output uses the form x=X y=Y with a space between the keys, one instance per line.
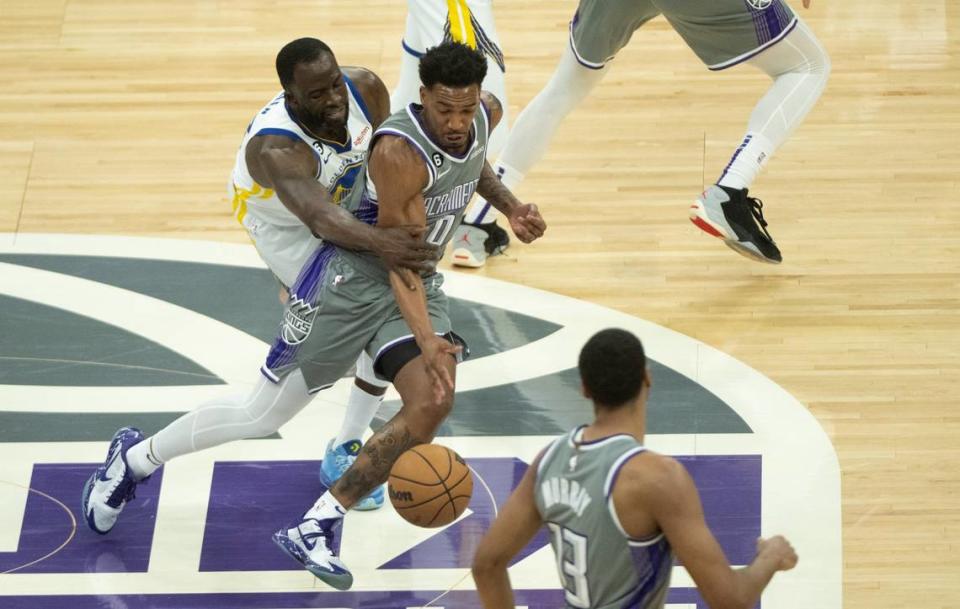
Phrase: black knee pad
x=391 y=361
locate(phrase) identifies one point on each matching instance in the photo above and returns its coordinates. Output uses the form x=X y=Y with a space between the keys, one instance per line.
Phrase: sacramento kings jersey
x=451 y=180
x=338 y=162
x=600 y=566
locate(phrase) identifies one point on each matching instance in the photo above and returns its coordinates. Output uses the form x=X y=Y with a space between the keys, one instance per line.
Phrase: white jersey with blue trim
x=338 y=162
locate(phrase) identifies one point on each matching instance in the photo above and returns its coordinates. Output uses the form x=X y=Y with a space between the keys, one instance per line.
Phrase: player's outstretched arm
x=400 y=176
x=668 y=494
x=525 y=219
x=516 y=524
x=289 y=167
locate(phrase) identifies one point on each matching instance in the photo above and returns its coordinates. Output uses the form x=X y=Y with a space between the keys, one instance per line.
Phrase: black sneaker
x=737 y=219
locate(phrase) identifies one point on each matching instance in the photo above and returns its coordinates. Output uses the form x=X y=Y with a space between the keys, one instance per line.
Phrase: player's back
x=600 y=566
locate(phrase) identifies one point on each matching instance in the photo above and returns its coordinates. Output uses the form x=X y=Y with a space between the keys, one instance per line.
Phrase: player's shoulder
x=395 y=153
x=361 y=77
x=493 y=107
x=373 y=93
x=650 y=472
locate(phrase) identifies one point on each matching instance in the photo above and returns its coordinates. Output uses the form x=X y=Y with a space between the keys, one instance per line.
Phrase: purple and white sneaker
x=112 y=485
x=310 y=543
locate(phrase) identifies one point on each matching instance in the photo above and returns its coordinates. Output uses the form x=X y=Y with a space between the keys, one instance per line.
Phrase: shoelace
x=309 y=539
x=124 y=491
x=756 y=209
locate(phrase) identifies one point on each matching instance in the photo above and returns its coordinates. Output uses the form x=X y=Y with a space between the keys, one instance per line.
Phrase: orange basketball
x=430 y=485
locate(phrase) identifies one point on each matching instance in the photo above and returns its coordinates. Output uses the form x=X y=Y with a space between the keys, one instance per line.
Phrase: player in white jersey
x=321 y=125
x=618 y=512
x=765 y=34
x=469 y=22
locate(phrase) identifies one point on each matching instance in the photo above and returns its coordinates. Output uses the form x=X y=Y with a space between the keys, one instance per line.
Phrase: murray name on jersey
x=566 y=492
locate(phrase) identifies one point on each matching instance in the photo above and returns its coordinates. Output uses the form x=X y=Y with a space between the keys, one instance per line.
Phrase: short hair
x=452 y=64
x=612 y=366
x=301 y=50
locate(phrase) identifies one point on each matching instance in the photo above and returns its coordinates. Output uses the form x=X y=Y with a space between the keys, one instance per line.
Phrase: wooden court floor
x=124 y=117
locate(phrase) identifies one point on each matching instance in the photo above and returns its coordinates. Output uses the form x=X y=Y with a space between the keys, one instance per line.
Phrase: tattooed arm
x=525 y=219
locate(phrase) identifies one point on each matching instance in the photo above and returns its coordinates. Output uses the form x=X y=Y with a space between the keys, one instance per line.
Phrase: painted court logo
x=152 y=350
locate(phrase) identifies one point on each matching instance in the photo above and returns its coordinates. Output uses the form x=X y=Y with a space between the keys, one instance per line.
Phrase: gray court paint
x=246 y=299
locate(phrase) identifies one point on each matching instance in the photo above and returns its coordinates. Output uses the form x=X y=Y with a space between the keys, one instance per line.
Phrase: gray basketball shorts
x=335 y=311
x=722 y=33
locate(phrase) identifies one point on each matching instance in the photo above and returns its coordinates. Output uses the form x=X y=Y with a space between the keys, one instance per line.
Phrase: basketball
x=430 y=485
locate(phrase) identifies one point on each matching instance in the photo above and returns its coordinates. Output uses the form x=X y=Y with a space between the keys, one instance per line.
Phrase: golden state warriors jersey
x=338 y=163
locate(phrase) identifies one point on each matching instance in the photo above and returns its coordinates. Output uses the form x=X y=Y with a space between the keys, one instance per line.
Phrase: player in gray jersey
x=617 y=513
x=423 y=165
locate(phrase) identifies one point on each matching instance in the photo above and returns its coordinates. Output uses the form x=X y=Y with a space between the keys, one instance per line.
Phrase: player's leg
x=408 y=84
x=598 y=31
x=286 y=250
x=132 y=458
x=416 y=423
x=799 y=68
x=343 y=312
x=366 y=395
x=475 y=239
x=397 y=358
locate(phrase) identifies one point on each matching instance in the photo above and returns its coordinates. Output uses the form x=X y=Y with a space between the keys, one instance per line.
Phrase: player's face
x=448 y=113
x=319 y=94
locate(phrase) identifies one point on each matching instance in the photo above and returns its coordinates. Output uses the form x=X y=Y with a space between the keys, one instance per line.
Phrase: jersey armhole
x=431 y=170
x=355 y=92
x=608 y=496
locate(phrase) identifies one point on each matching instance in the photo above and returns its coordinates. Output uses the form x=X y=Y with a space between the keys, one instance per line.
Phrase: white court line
x=223 y=350
x=799 y=461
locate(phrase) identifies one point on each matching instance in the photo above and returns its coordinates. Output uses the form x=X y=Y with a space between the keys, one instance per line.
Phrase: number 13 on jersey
x=571 y=552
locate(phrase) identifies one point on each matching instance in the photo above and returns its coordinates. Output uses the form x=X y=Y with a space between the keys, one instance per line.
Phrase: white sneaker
x=112 y=485
x=310 y=543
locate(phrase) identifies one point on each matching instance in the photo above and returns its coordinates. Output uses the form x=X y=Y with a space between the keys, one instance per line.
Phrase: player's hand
x=436 y=352
x=778 y=549
x=527 y=223
x=806 y=3
x=404 y=247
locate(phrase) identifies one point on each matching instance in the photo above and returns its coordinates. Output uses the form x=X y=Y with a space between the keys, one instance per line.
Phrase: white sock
x=747 y=161
x=326 y=507
x=799 y=67
x=142 y=460
x=361 y=408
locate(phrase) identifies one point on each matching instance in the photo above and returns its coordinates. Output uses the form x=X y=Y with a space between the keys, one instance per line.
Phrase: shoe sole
x=701 y=219
x=339 y=581
x=464 y=258
x=84 y=505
